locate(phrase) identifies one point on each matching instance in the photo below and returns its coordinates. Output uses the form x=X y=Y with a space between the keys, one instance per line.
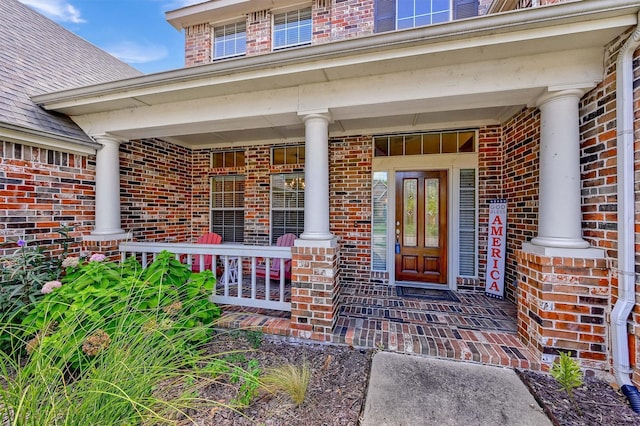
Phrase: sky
x=135 y=31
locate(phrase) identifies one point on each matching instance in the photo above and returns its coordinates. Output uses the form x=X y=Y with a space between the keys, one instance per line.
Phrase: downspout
x=626 y=218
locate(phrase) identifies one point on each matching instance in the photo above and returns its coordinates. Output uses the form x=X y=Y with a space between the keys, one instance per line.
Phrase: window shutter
x=465 y=9
x=467 y=225
x=385 y=11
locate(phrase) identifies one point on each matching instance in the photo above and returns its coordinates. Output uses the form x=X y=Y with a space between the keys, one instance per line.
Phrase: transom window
x=227 y=207
x=292 y=28
x=230 y=40
x=425 y=143
x=288 y=155
x=227 y=159
x=287 y=204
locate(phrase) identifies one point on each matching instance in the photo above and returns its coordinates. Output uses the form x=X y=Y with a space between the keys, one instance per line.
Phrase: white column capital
x=321 y=114
x=555 y=95
x=104 y=139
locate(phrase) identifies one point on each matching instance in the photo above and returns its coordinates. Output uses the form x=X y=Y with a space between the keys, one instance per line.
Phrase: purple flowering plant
x=23 y=274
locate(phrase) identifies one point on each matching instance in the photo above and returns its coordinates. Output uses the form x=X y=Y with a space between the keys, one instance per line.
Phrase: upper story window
x=230 y=40
x=292 y=28
x=399 y=14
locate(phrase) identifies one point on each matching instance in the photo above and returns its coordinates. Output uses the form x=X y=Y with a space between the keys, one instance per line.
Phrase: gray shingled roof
x=39 y=56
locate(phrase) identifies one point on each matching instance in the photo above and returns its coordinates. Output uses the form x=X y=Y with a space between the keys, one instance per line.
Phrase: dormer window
x=230 y=40
x=292 y=28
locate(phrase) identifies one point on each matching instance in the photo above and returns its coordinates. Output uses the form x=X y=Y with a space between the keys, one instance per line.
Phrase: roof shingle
x=39 y=56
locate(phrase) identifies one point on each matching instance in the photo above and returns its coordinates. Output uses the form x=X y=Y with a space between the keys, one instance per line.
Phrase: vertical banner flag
x=497 y=248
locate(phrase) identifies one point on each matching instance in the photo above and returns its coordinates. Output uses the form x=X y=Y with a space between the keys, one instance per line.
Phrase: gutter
x=626 y=218
x=519 y=20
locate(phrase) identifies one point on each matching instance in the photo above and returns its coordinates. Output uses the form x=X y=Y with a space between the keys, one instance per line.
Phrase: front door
x=421 y=226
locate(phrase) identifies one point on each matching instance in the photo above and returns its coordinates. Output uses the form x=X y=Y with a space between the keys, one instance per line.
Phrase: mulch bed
x=599 y=402
x=337 y=390
x=335 y=396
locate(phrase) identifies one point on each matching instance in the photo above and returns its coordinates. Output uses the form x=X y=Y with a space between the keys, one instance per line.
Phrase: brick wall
x=520 y=183
x=259 y=32
x=350 y=176
x=41 y=190
x=197 y=45
x=352 y=18
x=599 y=176
x=321 y=19
x=155 y=190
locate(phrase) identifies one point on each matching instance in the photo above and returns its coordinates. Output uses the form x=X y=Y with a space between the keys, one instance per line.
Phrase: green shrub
x=115 y=344
x=23 y=275
x=166 y=296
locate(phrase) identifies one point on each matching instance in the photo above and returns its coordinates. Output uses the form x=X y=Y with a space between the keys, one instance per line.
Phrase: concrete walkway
x=408 y=390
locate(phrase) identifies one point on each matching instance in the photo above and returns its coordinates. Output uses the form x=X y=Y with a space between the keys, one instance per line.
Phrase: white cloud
x=58 y=10
x=136 y=53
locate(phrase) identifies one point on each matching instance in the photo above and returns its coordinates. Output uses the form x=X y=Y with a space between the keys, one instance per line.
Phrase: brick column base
x=562 y=306
x=314 y=289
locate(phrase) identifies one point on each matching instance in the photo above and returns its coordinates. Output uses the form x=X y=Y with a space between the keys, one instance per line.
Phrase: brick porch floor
x=475 y=328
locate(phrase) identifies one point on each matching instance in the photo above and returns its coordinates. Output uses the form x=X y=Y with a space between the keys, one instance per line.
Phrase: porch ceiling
x=459 y=74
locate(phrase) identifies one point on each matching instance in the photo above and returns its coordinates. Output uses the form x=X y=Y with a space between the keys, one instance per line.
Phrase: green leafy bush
x=165 y=297
x=114 y=343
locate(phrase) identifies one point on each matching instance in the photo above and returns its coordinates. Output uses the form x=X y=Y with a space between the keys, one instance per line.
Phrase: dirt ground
x=338 y=385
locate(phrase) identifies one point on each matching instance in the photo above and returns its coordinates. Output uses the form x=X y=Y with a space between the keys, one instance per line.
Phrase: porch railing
x=233 y=260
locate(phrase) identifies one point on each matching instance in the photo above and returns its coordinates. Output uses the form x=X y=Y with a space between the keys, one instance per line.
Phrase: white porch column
x=316 y=176
x=559 y=210
x=107 y=224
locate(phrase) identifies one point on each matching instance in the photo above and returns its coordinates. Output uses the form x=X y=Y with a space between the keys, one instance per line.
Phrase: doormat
x=427 y=293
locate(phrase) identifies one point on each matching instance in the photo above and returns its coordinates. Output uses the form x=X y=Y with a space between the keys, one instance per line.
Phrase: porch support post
x=559 y=212
x=316 y=176
x=107 y=224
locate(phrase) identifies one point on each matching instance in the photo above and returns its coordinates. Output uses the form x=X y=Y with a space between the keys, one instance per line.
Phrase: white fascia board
x=537 y=23
x=45 y=140
x=221 y=10
x=477 y=85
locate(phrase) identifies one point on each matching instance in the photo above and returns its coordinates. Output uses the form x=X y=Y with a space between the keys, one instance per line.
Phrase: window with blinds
x=380 y=190
x=230 y=40
x=292 y=28
x=287 y=204
x=227 y=207
x=467 y=222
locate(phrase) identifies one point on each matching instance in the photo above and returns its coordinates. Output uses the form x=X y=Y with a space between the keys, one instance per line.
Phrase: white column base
x=108 y=236
x=325 y=243
x=559 y=242
x=581 y=253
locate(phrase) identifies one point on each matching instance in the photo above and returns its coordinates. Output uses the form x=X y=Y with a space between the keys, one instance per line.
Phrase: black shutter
x=385 y=12
x=465 y=9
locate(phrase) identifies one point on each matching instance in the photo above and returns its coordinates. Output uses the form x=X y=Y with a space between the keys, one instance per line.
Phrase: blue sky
x=134 y=31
